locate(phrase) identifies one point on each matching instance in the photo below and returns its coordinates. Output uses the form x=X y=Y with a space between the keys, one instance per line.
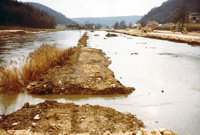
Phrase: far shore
x=192 y=38
x=18 y=31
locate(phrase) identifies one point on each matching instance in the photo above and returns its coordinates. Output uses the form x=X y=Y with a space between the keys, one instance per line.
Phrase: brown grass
x=82 y=41
x=13 y=79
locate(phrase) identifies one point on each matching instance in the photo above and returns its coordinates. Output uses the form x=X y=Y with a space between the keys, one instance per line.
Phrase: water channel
x=166 y=76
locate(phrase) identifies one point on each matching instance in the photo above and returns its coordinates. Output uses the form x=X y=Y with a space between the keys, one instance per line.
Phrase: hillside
x=14 y=13
x=108 y=20
x=165 y=12
x=59 y=17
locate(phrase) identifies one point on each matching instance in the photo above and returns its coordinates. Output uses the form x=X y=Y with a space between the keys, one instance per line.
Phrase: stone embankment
x=190 y=38
x=89 y=75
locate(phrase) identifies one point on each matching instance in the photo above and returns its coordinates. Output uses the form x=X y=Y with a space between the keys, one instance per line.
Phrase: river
x=166 y=76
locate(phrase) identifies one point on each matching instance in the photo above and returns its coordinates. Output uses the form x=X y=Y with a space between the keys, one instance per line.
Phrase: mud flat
x=89 y=75
x=190 y=38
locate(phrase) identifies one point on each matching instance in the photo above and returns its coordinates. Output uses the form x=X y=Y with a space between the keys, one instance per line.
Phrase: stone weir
x=89 y=75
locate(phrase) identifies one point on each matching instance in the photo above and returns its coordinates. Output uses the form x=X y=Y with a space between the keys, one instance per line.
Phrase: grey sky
x=100 y=8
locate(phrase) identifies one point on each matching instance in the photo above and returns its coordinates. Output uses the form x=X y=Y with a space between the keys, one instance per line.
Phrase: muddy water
x=12 y=48
x=166 y=76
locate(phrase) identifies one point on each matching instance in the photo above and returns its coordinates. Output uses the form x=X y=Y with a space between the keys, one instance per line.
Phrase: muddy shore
x=89 y=75
x=18 y=31
x=190 y=38
x=52 y=118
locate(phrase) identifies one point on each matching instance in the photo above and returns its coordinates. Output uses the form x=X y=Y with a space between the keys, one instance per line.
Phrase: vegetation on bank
x=59 y=17
x=14 y=13
x=13 y=78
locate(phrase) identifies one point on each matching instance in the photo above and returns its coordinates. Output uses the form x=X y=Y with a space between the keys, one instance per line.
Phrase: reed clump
x=13 y=78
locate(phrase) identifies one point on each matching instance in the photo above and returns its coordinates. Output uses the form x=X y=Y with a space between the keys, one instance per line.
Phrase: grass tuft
x=13 y=78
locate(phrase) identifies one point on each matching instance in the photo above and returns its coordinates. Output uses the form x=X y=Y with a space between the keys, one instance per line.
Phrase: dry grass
x=82 y=41
x=13 y=79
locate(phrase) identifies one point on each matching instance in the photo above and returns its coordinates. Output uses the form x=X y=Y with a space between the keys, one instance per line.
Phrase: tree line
x=14 y=13
x=122 y=25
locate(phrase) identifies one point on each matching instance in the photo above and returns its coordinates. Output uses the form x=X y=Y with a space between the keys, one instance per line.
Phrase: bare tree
x=180 y=15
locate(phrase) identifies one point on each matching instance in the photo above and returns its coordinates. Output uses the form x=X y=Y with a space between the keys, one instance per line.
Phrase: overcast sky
x=100 y=8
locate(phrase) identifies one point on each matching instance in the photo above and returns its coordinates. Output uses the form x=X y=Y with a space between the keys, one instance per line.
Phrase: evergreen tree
x=122 y=24
x=14 y=13
x=116 y=25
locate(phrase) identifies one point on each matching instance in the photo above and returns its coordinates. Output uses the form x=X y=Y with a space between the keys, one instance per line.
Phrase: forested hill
x=60 y=18
x=108 y=20
x=165 y=12
x=14 y=13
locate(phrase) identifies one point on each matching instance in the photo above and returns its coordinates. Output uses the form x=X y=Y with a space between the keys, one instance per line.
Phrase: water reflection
x=7 y=101
x=78 y=97
x=152 y=65
x=13 y=102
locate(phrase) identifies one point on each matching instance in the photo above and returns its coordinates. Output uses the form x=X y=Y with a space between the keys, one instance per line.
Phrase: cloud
x=100 y=8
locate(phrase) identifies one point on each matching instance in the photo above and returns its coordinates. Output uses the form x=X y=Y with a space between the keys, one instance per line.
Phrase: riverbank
x=77 y=70
x=17 y=31
x=192 y=38
x=88 y=75
x=51 y=117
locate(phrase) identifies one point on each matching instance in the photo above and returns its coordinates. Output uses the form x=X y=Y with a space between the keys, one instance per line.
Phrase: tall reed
x=13 y=79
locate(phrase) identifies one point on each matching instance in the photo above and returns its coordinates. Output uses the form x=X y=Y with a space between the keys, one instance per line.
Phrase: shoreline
x=18 y=31
x=190 y=38
x=52 y=117
x=89 y=75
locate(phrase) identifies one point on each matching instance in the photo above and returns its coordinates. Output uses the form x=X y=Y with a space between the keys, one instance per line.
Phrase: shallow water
x=151 y=66
x=12 y=48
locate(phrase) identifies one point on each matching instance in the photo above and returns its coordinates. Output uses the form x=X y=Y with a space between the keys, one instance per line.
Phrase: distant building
x=193 y=17
x=138 y=26
x=89 y=26
x=152 y=24
x=72 y=26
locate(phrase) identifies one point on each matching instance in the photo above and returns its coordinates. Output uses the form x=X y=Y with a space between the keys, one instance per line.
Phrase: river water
x=166 y=76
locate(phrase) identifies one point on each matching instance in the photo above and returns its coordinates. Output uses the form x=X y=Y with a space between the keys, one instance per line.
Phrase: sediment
x=192 y=39
x=89 y=75
x=51 y=117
